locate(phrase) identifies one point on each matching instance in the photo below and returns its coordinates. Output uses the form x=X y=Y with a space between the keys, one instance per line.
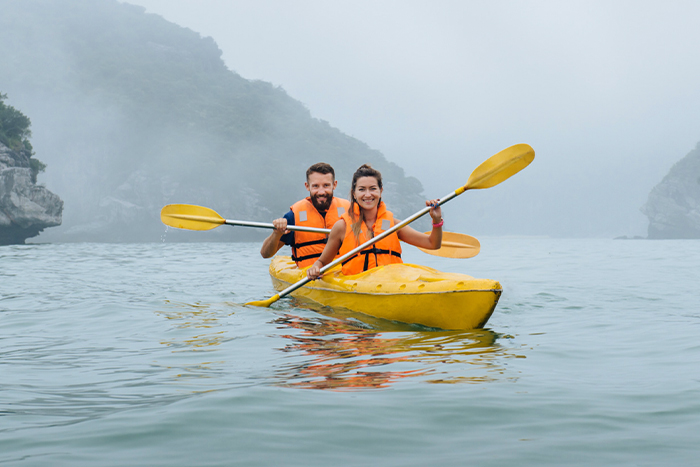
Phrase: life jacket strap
x=313 y=242
x=297 y=259
x=296 y=246
x=373 y=251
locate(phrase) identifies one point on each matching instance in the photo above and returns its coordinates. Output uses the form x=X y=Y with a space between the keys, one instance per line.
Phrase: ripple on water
x=143 y=354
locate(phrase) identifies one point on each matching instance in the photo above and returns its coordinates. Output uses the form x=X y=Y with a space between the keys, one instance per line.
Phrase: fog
x=605 y=92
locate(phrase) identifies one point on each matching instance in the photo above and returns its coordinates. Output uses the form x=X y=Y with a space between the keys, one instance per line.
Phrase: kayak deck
x=400 y=292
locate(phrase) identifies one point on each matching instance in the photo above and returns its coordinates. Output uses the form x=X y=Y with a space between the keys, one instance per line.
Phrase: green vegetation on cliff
x=14 y=127
x=133 y=112
x=15 y=133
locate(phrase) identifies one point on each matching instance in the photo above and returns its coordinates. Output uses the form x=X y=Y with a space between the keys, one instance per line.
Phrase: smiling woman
x=367 y=218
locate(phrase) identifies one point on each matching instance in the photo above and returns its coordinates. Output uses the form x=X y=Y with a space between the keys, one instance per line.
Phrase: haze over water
x=141 y=354
x=605 y=92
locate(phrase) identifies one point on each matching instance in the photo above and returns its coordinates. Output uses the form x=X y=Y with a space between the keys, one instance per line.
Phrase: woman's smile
x=368 y=201
x=367 y=192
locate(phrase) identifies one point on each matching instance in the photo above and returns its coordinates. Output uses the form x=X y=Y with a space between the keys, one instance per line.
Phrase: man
x=320 y=209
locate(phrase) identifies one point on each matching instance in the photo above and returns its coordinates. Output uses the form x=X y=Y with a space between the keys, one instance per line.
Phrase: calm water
x=141 y=354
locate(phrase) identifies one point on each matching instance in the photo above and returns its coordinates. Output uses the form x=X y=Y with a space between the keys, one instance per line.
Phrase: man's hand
x=280 y=226
x=272 y=243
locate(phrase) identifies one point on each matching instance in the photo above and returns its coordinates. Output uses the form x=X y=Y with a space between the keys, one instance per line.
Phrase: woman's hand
x=435 y=210
x=314 y=272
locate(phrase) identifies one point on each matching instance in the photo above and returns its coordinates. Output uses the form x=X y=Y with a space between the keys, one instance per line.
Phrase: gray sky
x=607 y=92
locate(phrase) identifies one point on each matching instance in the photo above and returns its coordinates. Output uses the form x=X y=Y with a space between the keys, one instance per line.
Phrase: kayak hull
x=400 y=292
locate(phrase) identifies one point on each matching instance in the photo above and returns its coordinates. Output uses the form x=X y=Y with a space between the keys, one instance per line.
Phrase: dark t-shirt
x=288 y=239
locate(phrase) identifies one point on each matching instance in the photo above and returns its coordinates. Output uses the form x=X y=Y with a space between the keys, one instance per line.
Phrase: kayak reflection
x=194 y=328
x=346 y=356
x=203 y=318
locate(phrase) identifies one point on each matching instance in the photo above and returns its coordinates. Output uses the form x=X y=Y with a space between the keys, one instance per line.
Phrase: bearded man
x=320 y=209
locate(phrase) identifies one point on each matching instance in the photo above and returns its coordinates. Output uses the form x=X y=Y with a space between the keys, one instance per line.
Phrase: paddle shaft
x=187 y=216
x=263 y=225
x=299 y=228
x=370 y=242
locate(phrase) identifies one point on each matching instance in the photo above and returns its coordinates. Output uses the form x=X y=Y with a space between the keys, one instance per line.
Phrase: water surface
x=143 y=354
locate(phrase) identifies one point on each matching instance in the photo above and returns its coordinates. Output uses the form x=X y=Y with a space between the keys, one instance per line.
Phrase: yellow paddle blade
x=500 y=167
x=456 y=245
x=265 y=303
x=190 y=217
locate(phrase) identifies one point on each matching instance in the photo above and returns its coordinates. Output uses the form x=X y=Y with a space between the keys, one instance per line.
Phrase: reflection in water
x=339 y=352
x=195 y=326
x=191 y=315
x=346 y=356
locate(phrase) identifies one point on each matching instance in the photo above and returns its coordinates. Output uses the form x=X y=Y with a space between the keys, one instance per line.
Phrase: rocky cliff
x=131 y=112
x=673 y=207
x=25 y=207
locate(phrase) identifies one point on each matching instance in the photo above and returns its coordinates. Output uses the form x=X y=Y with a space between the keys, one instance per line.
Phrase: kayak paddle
x=192 y=217
x=455 y=245
x=491 y=172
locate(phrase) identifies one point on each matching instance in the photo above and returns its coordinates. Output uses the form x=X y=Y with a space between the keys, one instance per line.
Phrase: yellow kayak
x=400 y=292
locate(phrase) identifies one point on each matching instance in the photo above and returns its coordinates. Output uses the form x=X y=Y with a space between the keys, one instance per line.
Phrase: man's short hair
x=320 y=167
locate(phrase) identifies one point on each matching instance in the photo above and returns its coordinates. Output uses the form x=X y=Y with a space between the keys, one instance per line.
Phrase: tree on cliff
x=15 y=133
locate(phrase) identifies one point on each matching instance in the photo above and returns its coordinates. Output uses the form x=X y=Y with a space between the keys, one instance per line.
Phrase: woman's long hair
x=365 y=170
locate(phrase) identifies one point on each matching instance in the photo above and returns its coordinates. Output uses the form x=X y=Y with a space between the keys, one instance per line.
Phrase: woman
x=366 y=218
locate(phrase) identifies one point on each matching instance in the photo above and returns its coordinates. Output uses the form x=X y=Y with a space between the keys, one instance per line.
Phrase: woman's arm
x=335 y=239
x=433 y=241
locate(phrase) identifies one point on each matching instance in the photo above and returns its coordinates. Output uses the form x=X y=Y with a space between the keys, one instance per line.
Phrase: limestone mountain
x=132 y=112
x=25 y=207
x=673 y=207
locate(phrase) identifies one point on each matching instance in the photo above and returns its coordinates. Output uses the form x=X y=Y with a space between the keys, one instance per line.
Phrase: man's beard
x=324 y=205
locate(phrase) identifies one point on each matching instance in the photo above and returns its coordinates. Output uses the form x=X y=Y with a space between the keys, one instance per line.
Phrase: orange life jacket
x=385 y=251
x=308 y=246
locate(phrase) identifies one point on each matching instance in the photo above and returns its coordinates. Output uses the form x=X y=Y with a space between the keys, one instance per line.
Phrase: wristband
x=439 y=224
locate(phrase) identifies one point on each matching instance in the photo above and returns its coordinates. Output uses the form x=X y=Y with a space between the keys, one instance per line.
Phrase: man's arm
x=279 y=237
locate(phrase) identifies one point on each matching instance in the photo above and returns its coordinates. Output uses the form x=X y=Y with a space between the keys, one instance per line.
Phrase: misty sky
x=606 y=92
